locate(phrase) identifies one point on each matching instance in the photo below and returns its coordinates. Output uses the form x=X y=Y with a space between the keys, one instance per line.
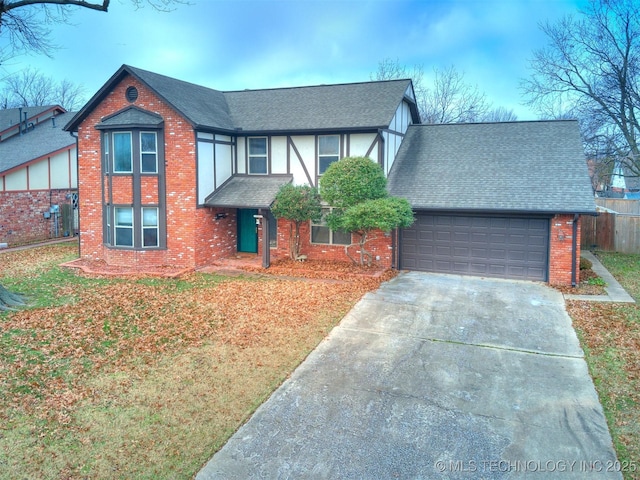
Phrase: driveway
x=433 y=376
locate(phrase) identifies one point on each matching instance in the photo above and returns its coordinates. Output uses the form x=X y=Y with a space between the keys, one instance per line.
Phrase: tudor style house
x=38 y=182
x=176 y=174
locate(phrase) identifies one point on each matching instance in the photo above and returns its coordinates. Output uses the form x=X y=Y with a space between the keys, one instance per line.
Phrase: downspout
x=266 y=252
x=574 y=248
x=78 y=187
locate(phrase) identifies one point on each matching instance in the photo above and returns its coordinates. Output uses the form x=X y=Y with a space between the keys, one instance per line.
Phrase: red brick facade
x=197 y=236
x=561 y=244
x=379 y=245
x=193 y=237
x=22 y=219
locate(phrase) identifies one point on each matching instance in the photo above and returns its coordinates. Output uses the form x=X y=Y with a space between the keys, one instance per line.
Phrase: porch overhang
x=247 y=191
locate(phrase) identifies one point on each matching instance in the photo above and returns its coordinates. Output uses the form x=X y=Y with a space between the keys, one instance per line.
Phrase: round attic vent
x=132 y=94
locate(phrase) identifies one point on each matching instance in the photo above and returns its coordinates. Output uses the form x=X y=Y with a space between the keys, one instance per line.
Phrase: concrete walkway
x=615 y=292
x=433 y=376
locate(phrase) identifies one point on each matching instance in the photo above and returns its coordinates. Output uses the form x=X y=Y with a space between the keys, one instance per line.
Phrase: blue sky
x=238 y=44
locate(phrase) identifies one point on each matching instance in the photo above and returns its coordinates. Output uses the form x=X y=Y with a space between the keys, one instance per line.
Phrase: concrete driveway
x=434 y=376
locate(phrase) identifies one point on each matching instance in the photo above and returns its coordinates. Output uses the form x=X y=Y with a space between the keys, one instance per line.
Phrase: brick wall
x=194 y=238
x=21 y=215
x=379 y=245
x=561 y=245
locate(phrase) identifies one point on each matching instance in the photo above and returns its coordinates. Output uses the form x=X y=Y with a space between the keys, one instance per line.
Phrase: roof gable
x=508 y=167
x=131 y=117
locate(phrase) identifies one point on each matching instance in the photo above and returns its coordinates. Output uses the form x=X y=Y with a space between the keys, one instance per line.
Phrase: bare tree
x=500 y=114
x=450 y=99
x=591 y=69
x=31 y=88
x=27 y=22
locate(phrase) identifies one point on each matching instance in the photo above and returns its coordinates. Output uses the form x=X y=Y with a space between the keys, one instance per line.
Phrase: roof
x=40 y=141
x=131 y=117
x=248 y=191
x=10 y=117
x=501 y=167
x=366 y=105
x=324 y=107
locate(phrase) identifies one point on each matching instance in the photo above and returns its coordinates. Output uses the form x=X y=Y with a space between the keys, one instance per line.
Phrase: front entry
x=247 y=231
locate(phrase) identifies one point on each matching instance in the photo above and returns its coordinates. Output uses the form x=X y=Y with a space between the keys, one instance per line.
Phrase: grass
x=144 y=377
x=610 y=337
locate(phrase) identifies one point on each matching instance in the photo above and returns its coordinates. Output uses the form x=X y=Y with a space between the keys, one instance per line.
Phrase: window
x=124 y=226
x=150 y=231
x=148 y=152
x=258 y=155
x=122 y=162
x=108 y=217
x=273 y=231
x=328 y=151
x=106 y=157
x=320 y=233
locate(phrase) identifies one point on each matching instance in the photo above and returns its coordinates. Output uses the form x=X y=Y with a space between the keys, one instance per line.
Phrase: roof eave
x=550 y=212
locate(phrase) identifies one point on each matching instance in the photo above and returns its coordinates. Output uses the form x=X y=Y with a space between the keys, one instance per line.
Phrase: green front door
x=247 y=231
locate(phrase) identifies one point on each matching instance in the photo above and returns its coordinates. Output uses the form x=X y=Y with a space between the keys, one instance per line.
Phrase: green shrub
x=585 y=264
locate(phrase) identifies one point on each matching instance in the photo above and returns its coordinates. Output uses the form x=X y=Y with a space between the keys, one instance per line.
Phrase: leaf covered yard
x=145 y=377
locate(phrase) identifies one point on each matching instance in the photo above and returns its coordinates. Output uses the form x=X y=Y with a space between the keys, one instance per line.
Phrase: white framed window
x=148 y=152
x=122 y=152
x=321 y=233
x=123 y=223
x=106 y=153
x=328 y=151
x=108 y=218
x=258 y=155
x=150 y=227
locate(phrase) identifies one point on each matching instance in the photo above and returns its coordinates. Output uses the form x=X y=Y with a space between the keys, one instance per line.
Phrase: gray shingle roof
x=11 y=116
x=131 y=116
x=329 y=107
x=248 y=191
x=367 y=105
x=42 y=140
x=509 y=167
x=200 y=105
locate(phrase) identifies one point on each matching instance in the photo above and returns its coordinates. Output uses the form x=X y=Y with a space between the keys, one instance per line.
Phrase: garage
x=492 y=246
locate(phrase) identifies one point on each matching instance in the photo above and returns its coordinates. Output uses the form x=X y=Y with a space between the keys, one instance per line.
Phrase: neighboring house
x=38 y=175
x=172 y=173
x=619 y=182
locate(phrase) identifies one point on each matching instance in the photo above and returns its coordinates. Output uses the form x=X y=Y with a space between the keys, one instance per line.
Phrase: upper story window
x=148 y=152
x=258 y=155
x=122 y=150
x=328 y=151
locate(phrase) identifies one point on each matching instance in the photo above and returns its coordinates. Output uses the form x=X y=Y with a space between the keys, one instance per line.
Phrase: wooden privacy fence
x=620 y=205
x=612 y=231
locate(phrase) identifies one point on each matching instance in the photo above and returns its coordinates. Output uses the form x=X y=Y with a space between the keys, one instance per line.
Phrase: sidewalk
x=39 y=244
x=615 y=292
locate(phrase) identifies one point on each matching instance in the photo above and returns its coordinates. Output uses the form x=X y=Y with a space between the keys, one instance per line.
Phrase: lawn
x=610 y=337
x=105 y=377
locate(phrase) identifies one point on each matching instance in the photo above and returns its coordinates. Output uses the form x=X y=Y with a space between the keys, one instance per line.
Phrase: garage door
x=506 y=247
